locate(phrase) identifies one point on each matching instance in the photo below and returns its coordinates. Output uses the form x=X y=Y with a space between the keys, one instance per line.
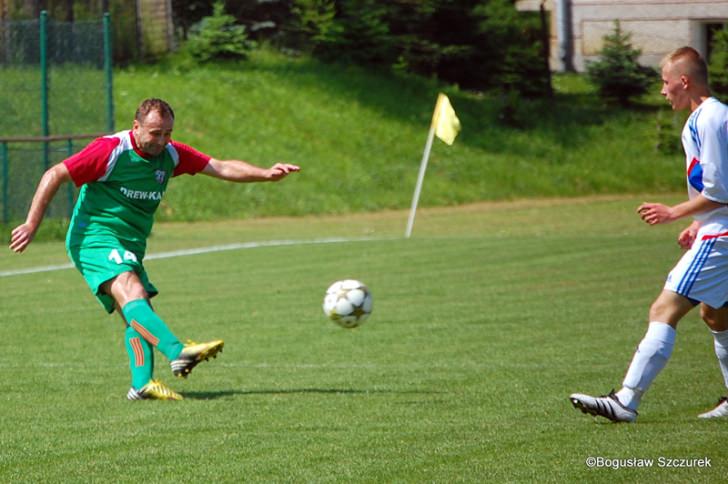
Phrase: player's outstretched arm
x=657 y=213
x=241 y=171
x=52 y=179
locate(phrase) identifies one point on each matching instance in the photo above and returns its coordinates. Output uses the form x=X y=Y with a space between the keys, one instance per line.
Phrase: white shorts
x=702 y=273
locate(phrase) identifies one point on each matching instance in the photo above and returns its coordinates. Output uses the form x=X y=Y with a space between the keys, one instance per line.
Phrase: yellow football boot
x=154 y=390
x=192 y=354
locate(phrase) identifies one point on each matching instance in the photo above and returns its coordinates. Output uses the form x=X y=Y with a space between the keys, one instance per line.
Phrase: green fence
x=55 y=91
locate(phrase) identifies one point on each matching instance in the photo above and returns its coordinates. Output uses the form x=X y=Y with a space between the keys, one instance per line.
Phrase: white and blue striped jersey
x=705 y=141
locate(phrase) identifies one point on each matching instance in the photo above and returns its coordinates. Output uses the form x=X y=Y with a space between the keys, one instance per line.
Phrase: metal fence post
x=6 y=171
x=108 y=71
x=45 y=127
x=69 y=186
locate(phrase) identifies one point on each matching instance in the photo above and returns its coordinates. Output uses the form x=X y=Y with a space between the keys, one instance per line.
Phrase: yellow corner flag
x=446 y=122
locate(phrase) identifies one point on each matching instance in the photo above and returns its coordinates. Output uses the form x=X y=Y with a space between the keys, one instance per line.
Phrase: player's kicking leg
x=182 y=358
x=145 y=329
x=651 y=356
x=141 y=365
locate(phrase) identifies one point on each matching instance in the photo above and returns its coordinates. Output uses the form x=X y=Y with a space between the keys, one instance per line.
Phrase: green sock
x=140 y=316
x=141 y=358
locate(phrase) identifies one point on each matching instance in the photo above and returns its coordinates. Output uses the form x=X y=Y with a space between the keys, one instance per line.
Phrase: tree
x=618 y=75
x=359 y=33
x=188 y=12
x=477 y=44
x=313 y=21
x=218 y=37
x=519 y=47
x=719 y=64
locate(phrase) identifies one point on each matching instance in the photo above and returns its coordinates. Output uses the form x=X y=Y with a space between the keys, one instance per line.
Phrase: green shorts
x=99 y=264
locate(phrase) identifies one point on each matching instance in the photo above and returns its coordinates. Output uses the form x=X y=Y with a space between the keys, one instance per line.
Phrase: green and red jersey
x=121 y=188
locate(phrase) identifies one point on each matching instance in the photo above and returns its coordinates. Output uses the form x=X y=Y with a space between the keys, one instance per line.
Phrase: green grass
x=76 y=103
x=359 y=137
x=76 y=100
x=484 y=322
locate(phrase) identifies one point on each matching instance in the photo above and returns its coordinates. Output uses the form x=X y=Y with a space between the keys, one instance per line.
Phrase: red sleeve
x=191 y=161
x=90 y=163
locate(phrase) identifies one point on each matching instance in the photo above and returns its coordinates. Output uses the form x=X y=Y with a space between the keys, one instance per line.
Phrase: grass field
x=484 y=322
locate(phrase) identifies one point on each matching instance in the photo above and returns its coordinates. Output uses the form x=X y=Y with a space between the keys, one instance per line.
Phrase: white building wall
x=656 y=26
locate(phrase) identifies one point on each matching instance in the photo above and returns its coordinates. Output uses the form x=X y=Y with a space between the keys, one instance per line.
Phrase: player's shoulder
x=111 y=142
x=179 y=146
x=184 y=151
x=711 y=116
x=120 y=138
x=101 y=147
x=175 y=149
x=714 y=109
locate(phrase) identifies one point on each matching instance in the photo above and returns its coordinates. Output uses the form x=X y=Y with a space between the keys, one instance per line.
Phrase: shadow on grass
x=213 y=395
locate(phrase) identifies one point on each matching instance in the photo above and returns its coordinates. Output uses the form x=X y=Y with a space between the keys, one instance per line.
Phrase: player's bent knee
x=659 y=311
x=669 y=308
x=126 y=287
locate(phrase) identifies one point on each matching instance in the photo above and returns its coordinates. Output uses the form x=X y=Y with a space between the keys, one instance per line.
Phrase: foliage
x=718 y=67
x=419 y=37
x=518 y=47
x=314 y=20
x=618 y=74
x=494 y=47
x=667 y=126
x=125 y=41
x=462 y=54
x=358 y=33
x=187 y=13
x=474 y=44
x=266 y=20
x=218 y=37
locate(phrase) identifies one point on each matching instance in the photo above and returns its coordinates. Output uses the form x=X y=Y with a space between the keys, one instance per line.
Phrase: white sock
x=650 y=358
x=629 y=397
x=721 y=351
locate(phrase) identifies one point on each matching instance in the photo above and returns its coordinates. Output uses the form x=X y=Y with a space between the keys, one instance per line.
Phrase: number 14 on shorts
x=115 y=256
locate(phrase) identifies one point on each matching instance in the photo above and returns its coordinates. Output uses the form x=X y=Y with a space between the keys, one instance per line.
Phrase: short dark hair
x=153 y=104
x=693 y=63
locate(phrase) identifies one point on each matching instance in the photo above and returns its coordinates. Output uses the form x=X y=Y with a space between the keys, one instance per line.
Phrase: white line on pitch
x=201 y=250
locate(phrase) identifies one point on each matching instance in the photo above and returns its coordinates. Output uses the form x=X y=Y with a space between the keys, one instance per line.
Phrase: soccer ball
x=348 y=303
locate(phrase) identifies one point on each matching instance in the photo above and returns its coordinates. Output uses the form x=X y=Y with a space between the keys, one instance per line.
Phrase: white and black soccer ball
x=348 y=303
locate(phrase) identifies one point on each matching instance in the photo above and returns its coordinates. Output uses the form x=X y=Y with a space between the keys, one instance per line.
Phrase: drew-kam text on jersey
x=141 y=195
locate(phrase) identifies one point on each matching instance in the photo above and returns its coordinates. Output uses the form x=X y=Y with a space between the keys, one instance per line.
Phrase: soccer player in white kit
x=701 y=275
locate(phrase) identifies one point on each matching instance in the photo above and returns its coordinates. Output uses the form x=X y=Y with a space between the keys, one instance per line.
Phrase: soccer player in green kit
x=123 y=178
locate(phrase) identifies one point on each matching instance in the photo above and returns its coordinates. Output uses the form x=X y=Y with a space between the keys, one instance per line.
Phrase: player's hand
x=687 y=237
x=21 y=236
x=281 y=170
x=655 y=213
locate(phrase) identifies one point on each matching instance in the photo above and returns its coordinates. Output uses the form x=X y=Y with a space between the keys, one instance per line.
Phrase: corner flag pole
x=420 y=179
x=445 y=125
